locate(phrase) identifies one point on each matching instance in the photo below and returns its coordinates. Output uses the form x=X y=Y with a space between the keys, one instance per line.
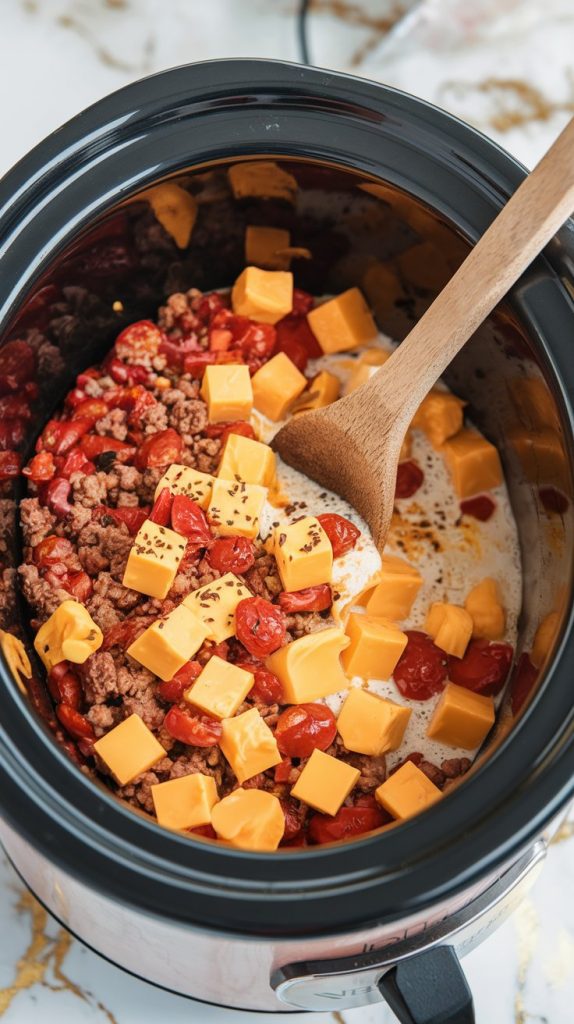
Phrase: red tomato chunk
x=483 y=669
x=189 y=519
x=347 y=823
x=304 y=728
x=196 y=730
x=409 y=478
x=342 y=533
x=231 y=554
x=260 y=626
x=267 y=688
x=482 y=507
x=172 y=690
x=312 y=599
x=422 y=668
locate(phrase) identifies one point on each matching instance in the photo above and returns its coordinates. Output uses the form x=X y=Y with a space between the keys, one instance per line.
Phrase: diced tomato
x=220 y=339
x=294 y=332
x=294 y=817
x=422 y=668
x=342 y=533
x=53 y=549
x=482 y=507
x=303 y=302
x=79 y=585
x=136 y=400
x=15 y=407
x=554 y=501
x=130 y=515
x=347 y=823
x=259 y=626
x=197 y=730
x=207 y=831
x=177 y=349
x=10 y=465
x=283 y=770
x=409 y=478
x=161 y=510
x=195 y=362
x=160 y=450
x=17 y=366
x=189 y=519
x=223 y=430
x=231 y=554
x=74 y=462
x=56 y=496
x=123 y=634
x=267 y=688
x=173 y=689
x=40 y=701
x=59 y=436
x=304 y=728
x=257 y=341
x=484 y=667
x=12 y=433
x=75 y=723
x=524 y=679
x=93 y=445
x=40 y=468
x=138 y=342
x=64 y=685
x=121 y=373
x=311 y=599
x=91 y=409
x=294 y=350
x=210 y=305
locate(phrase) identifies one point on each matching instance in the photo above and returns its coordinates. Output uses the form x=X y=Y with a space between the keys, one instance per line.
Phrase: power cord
x=302 y=34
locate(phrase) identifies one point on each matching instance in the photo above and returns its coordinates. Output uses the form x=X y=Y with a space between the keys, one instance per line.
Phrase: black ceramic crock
x=391 y=182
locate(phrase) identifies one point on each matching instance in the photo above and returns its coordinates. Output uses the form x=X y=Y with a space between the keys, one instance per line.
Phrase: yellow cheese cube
x=371 y=725
x=322 y=391
x=176 y=210
x=303 y=554
x=265 y=247
x=362 y=374
x=235 y=508
x=325 y=782
x=166 y=645
x=544 y=639
x=264 y=295
x=461 y=718
x=249 y=819
x=393 y=597
x=439 y=416
x=185 y=802
x=261 y=179
x=407 y=792
x=450 y=627
x=228 y=393
x=154 y=560
x=276 y=386
x=343 y=323
x=70 y=634
x=248 y=744
x=310 y=667
x=215 y=605
x=190 y=482
x=129 y=749
x=473 y=462
x=247 y=460
x=375 y=647
x=220 y=688
x=485 y=608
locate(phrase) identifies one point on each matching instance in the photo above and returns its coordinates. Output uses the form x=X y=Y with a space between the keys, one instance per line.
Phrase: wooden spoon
x=352 y=446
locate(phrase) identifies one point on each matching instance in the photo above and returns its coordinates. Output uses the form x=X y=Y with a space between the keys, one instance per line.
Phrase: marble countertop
x=504 y=65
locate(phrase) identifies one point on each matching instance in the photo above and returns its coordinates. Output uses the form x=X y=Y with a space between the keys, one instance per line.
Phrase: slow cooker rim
x=74 y=130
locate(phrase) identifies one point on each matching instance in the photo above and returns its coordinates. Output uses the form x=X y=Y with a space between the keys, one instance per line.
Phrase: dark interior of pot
x=360 y=232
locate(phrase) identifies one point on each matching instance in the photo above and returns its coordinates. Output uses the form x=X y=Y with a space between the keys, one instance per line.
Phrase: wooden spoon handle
x=540 y=205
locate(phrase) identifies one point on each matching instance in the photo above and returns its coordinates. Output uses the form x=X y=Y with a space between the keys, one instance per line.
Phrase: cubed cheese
x=373 y=725
x=276 y=386
x=265 y=247
x=70 y=634
x=264 y=295
x=407 y=792
x=343 y=323
x=544 y=638
x=190 y=482
x=186 y=802
x=129 y=749
x=227 y=391
x=450 y=627
x=393 y=597
x=154 y=560
x=322 y=391
x=249 y=819
x=176 y=210
x=325 y=782
x=439 y=416
x=261 y=179
x=166 y=645
x=375 y=647
x=461 y=718
x=248 y=744
x=484 y=606
x=245 y=459
x=303 y=554
x=220 y=688
x=473 y=462
x=235 y=508
x=215 y=605
x=310 y=667
x=365 y=369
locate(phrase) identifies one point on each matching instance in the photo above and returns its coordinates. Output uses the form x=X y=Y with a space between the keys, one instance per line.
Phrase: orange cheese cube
x=70 y=634
x=484 y=606
x=228 y=392
x=461 y=718
x=215 y=605
x=248 y=744
x=322 y=391
x=360 y=376
x=175 y=209
x=310 y=667
x=325 y=782
x=185 y=802
x=190 y=482
x=303 y=554
x=261 y=179
x=375 y=648
x=473 y=462
x=264 y=295
x=235 y=508
x=249 y=819
x=371 y=725
x=439 y=416
x=154 y=559
x=276 y=386
x=450 y=627
x=407 y=792
x=544 y=639
x=247 y=460
x=166 y=645
x=343 y=323
x=393 y=597
x=220 y=688
x=265 y=247
x=129 y=749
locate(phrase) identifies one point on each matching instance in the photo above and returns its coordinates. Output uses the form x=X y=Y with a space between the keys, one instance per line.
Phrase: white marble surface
x=504 y=65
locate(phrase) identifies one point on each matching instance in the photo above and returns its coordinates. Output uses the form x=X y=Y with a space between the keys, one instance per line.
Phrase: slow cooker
x=390 y=194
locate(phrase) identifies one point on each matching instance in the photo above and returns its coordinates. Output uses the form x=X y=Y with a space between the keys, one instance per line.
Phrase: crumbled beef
x=39 y=593
x=76 y=519
x=49 y=361
x=123 y=598
x=104 y=718
x=263 y=577
x=113 y=424
x=104 y=613
x=7 y=529
x=148 y=708
x=432 y=772
x=99 y=677
x=104 y=548
x=147 y=485
x=37 y=522
x=453 y=768
x=139 y=791
x=122 y=485
x=153 y=419
x=206 y=760
x=193 y=575
x=300 y=624
x=7 y=597
x=189 y=418
x=90 y=490
x=203 y=454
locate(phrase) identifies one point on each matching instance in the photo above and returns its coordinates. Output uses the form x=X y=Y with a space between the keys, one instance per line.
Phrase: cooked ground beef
x=36 y=520
x=39 y=593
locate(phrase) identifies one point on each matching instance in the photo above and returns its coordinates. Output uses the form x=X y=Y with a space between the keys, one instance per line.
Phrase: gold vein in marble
x=566 y=831
x=514 y=102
